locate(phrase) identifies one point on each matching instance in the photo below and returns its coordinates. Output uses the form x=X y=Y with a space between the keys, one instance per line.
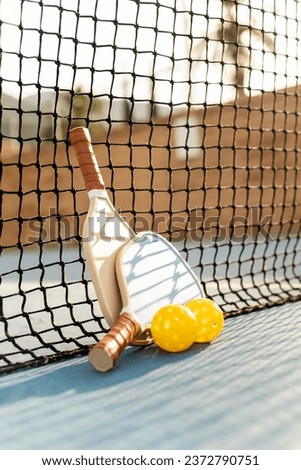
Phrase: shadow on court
x=78 y=375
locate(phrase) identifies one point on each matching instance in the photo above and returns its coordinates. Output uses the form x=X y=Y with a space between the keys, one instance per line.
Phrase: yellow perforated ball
x=209 y=318
x=173 y=328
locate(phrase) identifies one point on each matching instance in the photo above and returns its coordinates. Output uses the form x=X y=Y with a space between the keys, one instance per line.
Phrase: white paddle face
x=152 y=274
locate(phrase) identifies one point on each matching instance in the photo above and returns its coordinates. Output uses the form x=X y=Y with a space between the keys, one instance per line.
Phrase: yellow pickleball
x=209 y=318
x=173 y=328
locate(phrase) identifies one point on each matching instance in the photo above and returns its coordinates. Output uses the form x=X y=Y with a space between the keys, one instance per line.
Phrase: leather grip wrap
x=104 y=355
x=81 y=142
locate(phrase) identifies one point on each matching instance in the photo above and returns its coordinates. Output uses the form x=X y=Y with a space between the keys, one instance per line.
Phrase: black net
x=194 y=112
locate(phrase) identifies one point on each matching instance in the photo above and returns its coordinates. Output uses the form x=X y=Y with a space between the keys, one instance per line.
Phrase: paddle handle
x=104 y=355
x=81 y=142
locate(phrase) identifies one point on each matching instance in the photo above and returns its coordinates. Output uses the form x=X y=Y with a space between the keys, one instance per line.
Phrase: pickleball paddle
x=151 y=274
x=104 y=232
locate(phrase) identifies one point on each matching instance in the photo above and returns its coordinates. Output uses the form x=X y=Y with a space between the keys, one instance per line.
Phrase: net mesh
x=194 y=112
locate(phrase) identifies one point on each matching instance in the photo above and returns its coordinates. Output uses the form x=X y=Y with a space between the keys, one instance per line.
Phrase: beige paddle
x=104 y=232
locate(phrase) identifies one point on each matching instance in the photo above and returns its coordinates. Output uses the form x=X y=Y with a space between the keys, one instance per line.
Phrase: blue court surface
x=241 y=392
